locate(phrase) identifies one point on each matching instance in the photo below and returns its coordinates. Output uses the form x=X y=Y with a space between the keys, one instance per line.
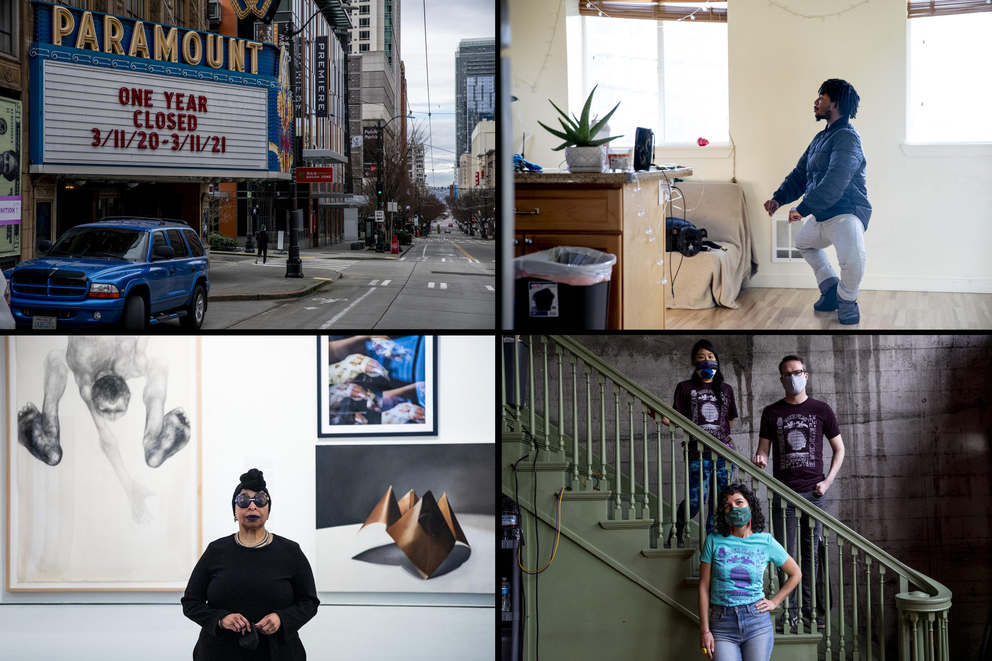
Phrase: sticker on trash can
x=543 y=299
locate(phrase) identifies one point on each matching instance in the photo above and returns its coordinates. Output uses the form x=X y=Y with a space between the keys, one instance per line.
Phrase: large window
x=135 y=9
x=364 y=9
x=947 y=98
x=8 y=19
x=363 y=35
x=668 y=76
x=181 y=13
x=363 y=22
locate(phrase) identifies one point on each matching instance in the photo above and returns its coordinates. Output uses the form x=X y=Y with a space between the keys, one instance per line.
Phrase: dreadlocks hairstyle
x=757 y=518
x=842 y=93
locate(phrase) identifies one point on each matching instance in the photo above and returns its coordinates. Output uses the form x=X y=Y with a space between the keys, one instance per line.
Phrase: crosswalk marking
x=430 y=285
x=444 y=285
x=374 y=282
x=386 y=282
x=489 y=287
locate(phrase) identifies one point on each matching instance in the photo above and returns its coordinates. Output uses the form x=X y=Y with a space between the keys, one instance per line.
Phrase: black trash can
x=563 y=289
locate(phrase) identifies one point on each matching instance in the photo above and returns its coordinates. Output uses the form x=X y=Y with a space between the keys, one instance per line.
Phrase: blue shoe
x=847 y=312
x=828 y=296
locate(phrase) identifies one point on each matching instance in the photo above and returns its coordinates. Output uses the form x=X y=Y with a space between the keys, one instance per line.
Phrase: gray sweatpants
x=847 y=235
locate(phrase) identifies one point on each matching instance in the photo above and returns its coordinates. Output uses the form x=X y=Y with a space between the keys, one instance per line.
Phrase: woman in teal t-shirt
x=734 y=622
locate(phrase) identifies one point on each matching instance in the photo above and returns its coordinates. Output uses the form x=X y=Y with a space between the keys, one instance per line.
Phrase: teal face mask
x=738 y=516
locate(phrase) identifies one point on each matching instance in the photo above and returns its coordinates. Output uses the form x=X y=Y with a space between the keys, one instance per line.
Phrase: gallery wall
x=259 y=410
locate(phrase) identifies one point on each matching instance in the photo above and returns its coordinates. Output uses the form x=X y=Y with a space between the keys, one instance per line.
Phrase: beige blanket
x=716 y=277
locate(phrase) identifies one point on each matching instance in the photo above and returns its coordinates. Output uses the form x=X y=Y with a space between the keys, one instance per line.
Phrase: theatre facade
x=120 y=116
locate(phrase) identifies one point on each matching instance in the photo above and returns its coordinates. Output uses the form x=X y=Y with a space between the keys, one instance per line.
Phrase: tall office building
x=377 y=28
x=475 y=88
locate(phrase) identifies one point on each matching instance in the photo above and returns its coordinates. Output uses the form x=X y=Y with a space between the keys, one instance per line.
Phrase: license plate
x=44 y=323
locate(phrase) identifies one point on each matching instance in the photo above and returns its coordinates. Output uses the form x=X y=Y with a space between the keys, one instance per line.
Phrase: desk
x=599 y=210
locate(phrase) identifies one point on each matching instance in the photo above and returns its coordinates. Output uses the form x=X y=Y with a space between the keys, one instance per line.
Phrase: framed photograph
x=406 y=518
x=374 y=386
x=103 y=462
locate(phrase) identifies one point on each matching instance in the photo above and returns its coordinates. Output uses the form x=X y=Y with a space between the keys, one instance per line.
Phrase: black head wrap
x=252 y=481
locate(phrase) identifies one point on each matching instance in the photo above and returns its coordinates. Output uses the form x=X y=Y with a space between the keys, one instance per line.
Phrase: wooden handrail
x=937 y=595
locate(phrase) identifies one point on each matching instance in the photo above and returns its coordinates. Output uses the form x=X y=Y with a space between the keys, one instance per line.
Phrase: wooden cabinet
x=602 y=211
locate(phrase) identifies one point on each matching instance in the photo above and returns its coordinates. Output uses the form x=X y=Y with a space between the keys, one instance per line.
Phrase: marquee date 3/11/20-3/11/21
x=150 y=140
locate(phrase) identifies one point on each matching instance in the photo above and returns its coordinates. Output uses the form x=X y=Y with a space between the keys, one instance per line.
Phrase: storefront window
x=43 y=222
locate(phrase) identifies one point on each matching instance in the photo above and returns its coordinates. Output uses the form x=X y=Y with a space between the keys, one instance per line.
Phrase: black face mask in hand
x=249 y=641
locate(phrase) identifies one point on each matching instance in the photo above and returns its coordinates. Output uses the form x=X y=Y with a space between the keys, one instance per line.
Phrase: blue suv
x=128 y=271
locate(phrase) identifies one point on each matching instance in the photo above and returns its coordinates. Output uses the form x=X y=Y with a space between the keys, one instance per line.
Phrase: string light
x=544 y=66
x=822 y=17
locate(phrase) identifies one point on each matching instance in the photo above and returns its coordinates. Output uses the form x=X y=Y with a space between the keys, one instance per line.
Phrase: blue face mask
x=706 y=368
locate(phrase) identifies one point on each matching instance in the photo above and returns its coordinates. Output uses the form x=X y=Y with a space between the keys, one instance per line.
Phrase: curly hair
x=842 y=93
x=757 y=518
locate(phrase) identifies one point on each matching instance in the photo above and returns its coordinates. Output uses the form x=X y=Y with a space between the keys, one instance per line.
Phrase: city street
x=444 y=281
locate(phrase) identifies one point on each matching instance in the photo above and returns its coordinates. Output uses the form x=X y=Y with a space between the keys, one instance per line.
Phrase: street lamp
x=378 y=175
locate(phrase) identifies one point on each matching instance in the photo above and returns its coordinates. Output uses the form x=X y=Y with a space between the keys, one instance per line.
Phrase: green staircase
x=614 y=589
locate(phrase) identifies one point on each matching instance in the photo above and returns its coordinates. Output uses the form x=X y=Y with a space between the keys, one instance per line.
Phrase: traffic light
x=378 y=192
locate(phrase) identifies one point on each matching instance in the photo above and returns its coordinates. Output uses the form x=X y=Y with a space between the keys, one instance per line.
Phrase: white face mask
x=794 y=384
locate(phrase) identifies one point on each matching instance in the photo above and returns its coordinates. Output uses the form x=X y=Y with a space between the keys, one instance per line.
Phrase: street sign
x=393 y=207
x=314 y=175
x=380 y=216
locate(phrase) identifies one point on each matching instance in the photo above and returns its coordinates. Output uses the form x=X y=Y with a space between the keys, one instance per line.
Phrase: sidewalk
x=234 y=276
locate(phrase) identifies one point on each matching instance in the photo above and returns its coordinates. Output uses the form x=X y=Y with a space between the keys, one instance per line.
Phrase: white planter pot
x=586 y=159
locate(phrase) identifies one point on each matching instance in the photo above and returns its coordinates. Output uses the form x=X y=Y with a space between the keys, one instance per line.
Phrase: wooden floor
x=792 y=309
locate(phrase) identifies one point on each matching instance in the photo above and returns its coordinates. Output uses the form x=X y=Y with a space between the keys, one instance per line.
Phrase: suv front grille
x=40 y=312
x=50 y=283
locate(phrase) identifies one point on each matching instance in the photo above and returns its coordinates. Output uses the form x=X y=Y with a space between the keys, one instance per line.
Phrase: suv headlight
x=98 y=290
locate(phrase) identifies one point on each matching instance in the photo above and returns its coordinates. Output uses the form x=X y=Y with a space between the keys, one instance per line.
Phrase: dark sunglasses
x=243 y=500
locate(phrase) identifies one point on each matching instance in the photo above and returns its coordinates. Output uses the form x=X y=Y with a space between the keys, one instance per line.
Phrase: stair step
x=586 y=495
x=683 y=554
x=626 y=525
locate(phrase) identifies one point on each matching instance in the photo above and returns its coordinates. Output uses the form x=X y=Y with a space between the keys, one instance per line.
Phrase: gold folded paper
x=425 y=530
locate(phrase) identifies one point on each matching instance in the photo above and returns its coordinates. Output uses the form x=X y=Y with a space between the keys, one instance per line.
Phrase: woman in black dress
x=251 y=591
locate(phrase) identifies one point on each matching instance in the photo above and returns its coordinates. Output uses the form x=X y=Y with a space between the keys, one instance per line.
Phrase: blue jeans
x=721 y=482
x=741 y=633
x=787 y=539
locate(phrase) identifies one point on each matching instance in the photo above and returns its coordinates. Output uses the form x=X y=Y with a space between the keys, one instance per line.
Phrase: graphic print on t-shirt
x=706 y=412
x=735 y=565
x=795 y=443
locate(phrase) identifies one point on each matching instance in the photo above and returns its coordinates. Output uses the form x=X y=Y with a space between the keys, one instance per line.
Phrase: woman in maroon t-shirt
x=709 y=402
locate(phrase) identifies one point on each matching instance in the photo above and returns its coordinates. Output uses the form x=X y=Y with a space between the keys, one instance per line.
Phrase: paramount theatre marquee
x=118 y=97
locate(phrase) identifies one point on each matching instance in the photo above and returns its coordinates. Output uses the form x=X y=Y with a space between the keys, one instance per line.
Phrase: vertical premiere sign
x=320 y=66
x=10 y=177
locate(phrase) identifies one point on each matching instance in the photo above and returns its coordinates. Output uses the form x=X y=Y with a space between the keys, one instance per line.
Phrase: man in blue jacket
x=831 y=177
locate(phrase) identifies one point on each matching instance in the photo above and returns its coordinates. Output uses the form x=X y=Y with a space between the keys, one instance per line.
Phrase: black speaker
x=643 y=149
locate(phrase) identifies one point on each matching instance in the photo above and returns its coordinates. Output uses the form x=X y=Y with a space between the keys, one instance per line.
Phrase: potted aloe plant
x=583 y=152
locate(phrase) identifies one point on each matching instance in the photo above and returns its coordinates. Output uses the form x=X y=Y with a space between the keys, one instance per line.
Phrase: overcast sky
x=448 y=22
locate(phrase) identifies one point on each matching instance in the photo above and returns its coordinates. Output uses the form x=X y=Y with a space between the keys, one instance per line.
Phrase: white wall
x=261 y=412
x=932 y=211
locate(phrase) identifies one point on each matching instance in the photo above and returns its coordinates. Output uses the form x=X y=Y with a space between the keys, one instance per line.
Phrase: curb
x=242 y=253
x=275 y=295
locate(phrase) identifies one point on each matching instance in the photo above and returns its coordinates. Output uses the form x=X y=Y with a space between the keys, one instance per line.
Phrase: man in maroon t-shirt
x=795 y=427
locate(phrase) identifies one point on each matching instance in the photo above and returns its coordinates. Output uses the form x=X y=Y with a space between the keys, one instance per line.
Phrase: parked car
x=129 y=271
